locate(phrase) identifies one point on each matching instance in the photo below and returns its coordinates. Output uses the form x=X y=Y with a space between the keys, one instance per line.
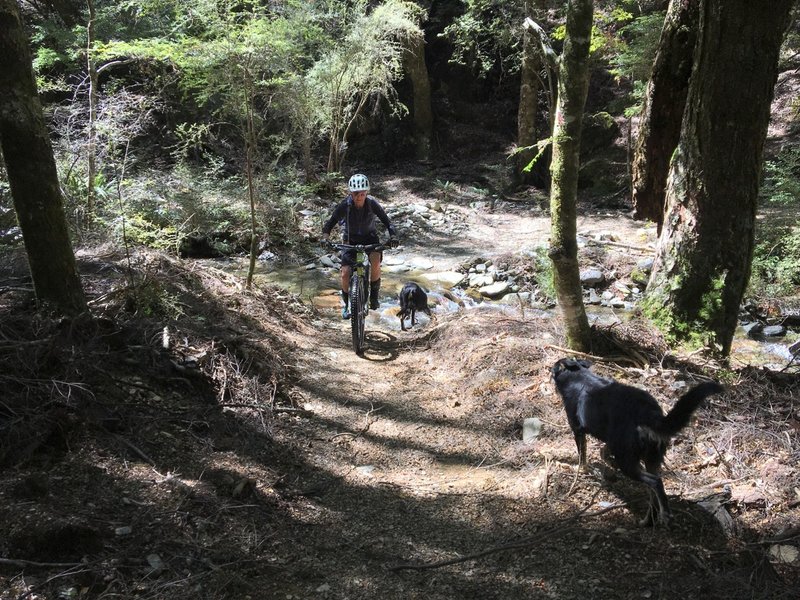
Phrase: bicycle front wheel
x=357 y=313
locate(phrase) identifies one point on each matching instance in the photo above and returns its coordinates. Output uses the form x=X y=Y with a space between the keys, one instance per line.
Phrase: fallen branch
x=559 y=527
x=29 y=563
x=621 y=245
x=134 y=449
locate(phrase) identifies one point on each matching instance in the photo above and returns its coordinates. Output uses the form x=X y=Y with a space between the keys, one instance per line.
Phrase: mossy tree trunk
x=528 y=97
x=417 y=71
x=573 y=84
x=662 y=113
x=704 y=253
x=32 y=173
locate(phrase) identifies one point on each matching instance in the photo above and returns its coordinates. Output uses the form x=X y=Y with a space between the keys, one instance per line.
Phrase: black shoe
x=374 y=290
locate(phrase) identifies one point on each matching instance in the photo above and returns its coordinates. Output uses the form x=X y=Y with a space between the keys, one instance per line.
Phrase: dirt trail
x=416 y=459
x=258 y=457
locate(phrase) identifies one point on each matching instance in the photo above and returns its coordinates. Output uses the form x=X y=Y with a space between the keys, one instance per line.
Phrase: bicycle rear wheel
x=357 y=313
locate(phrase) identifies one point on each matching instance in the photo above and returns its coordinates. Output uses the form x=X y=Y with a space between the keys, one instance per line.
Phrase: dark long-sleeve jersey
x=358 y=225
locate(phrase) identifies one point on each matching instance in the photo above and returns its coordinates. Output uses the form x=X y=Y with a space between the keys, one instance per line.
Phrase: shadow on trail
x=381 y=347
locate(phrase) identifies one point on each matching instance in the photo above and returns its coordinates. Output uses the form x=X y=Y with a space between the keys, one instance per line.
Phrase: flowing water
x=320 y=286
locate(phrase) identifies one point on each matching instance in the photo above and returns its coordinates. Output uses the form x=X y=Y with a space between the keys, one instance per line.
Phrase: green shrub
x=776 y=256
x=776 y=262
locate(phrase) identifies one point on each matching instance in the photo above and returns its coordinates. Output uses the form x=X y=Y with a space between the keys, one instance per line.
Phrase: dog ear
x=561 y=365
x=571 y=364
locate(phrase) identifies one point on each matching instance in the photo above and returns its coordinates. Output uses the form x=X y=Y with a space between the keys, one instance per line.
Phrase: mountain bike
x=359 y=288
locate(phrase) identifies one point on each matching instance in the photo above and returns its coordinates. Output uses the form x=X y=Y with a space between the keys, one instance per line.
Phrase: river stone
x=423 y=264
x=531 y=429
x=393 y=259
x=774 y=331
x=401 y=268
x=591 y=277
x=617 y=303
x=622 y=287
x=327 y=261
x=478 y=280
x=496 y=290
x=446 y=278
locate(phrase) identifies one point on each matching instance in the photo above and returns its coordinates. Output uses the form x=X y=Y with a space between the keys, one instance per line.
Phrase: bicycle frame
x=359 y=289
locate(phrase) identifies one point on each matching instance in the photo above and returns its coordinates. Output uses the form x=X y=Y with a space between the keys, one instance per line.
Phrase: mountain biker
x=356 y=216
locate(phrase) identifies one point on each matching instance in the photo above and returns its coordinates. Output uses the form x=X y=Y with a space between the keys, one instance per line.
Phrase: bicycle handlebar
x=360 y=247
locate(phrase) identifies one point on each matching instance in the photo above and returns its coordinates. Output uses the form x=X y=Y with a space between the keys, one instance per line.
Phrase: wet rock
x=401 y=268
x=446 y=278
x=774 y=331
x=496 y=290
x=423 y=264
x=478 y=280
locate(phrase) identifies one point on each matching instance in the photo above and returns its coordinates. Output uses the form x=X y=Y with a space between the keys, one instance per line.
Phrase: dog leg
x=580 y=442
x=663 y=514
x=413 y=319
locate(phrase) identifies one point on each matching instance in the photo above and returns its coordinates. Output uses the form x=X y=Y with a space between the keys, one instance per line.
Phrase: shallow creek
x=319 y=285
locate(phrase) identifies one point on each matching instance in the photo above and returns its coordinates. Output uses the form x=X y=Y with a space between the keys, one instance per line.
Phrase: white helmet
x=358 y=183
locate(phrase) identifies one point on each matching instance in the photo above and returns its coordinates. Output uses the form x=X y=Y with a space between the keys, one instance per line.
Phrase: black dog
x=627 y=419
x=412 y=299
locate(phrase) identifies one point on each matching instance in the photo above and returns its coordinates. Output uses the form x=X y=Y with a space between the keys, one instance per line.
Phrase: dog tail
x=679 y=416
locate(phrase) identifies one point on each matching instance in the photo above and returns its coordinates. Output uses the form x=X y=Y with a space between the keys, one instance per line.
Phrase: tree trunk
x=704 y=254
x=32 y=172
x=250 y=145
x=417 y=71
x=662 y=113
x=528 y=100
x=91 y=149
x=573 y=84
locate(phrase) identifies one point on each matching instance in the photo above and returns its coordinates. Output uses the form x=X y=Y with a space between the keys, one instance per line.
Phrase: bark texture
x=32 y=173
x=573 y=84
x=705 y=249
x=417 y=71
x=528 y=99
x=662 y=114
